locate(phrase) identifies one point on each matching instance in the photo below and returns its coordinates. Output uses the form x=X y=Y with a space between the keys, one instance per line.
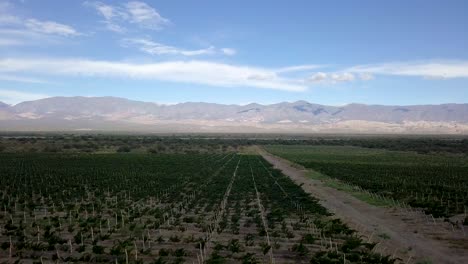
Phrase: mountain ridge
x=298 y=116
x=201 y=102
x=2 y=104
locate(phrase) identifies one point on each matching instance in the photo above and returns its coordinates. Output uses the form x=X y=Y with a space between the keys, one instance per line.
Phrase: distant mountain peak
x=4 y=105
x=300 y=116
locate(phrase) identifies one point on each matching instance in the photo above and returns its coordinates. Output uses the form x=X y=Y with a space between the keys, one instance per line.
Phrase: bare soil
x=408 y=235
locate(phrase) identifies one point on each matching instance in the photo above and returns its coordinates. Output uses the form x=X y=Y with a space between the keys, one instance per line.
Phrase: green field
x=164 y=208
x=438 y=183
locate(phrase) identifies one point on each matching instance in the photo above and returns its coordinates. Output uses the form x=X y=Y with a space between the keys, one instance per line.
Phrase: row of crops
x=437 y=183
x=168 y=208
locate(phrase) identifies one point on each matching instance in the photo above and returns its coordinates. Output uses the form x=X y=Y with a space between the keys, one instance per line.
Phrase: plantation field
x=438 y=183
x=165 y=208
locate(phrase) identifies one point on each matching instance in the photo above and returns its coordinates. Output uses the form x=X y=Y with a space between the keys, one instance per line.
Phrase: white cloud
x=261 y=76
x=198 y=72
x=299 y=68
x=6 y=19
x=14 y=78
x=14 y=97
x=441 y=69
x=107 y=11
x=342 y=77
x=428 y=70
x=155 y=48
x=50 y=27
x=229 y=51
x=114 y=27
x=111 y=14
x=318 y=77
x=133 y=12
x=333 y=78
x=365 y=76
x=145 y=16
x=22 y=37
x=17 y=30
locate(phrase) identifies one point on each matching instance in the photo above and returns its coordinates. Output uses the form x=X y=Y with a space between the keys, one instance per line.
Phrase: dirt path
x=407 y=235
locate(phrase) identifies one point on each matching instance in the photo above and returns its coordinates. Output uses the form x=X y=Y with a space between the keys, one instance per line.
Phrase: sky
x=236 y=52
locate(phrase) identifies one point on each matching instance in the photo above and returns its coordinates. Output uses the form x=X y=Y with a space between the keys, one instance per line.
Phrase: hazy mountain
x=5 y=112
x=111 y=113
x=3 y=105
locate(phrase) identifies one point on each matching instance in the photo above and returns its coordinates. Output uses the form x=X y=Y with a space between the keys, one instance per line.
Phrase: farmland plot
x=437 y=183
x=171 y=208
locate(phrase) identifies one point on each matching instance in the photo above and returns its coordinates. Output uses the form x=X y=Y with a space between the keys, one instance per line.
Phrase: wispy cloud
x=16 y=30
x=50 y=27
x=332 y=78
x=317 y=77
x=14 y=78
x=342 y=77
x=7 y=19
x=434 y=69
x=23 y=37
x=145 y=16
x=299 y=68
x=429 y=70
x=155 y=48
x=112 y=15
x=116 y=17
x=14 y=96
x=229 y=51
x=197 y=72
x=365 y=76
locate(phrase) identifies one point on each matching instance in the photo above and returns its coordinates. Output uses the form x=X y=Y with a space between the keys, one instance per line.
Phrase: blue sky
x=328 y=52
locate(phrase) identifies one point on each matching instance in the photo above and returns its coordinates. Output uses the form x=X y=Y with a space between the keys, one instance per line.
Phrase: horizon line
x=226 y=104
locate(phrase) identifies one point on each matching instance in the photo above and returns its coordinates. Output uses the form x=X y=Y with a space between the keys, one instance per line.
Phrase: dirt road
x=407 y=235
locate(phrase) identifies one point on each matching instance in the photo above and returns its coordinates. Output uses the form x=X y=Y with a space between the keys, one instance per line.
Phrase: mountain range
x=119 y=114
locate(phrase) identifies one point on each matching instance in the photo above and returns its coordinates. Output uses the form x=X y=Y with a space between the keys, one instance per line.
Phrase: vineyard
x=437 y=183
x=169 y=208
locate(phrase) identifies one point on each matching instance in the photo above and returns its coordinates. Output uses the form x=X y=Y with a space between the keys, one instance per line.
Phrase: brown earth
x=406 y=234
